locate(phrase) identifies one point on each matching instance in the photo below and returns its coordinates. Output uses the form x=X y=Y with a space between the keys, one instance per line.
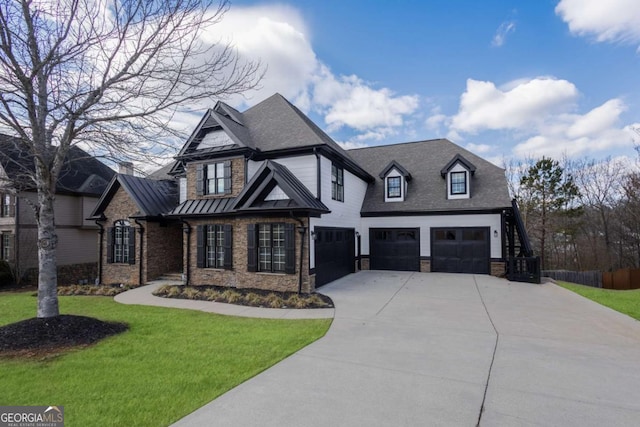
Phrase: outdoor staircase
x=522 y=265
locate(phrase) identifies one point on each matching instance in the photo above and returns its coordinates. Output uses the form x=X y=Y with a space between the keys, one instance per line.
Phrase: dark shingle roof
x=163 y=172
x=81 y=173
x=427 y=190
x=152 y=197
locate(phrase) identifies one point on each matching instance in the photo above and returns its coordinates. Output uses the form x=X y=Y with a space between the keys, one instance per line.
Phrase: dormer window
x=457 y=174
x=395 y=179
x=394 y=187
x=458 y=183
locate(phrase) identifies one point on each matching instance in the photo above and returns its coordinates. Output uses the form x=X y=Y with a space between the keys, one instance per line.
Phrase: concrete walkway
x=414 y=349
x=144 y=296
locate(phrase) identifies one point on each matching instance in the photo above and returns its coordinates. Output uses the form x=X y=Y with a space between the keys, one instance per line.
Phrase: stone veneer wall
x=497 y=267
x=162 y=249
x=71 y=274
x=239 y=276
x=237 y=179
x=425 y=265
x=121 y=207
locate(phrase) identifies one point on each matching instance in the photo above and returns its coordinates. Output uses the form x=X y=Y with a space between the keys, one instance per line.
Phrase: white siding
x=303 y=167
x=343 y=214
x=425 y=223
x=277 y=194
x=182 y=184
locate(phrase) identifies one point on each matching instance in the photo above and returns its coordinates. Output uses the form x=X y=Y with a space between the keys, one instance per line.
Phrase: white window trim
x=395 y=173
x=467 y=194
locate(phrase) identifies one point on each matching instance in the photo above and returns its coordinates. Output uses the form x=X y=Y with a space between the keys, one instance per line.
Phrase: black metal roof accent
x=81 y=173
x=152 y=197
x=393 y=164
x=204 y=207
x=458 y=159
x=270 y=175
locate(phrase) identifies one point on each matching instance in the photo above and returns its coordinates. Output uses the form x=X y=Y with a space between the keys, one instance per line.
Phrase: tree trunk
x=47 y=242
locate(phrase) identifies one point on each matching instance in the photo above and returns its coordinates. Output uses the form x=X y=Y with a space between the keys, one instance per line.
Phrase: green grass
x=168 y=364
x=627 y=302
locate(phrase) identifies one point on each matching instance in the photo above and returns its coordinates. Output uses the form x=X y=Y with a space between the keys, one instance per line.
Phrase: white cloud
x=484 y=106
x=479 y=148
x=607 y=21
x=502 y=32
x=278 y=37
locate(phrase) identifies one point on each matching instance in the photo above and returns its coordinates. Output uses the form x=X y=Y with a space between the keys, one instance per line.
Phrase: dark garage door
x=460 y=250
x=394 y=249
x=334 y=253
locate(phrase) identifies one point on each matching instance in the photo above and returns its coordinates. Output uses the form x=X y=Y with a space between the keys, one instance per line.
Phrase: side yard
x=168 y=364
x=627 y=302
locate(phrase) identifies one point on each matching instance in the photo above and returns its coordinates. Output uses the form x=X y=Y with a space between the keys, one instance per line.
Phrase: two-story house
x=80 y=184
x=265 y=199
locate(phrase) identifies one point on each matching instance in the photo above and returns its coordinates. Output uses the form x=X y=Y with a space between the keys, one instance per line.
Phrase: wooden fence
x=587 y=278
x=627 y=278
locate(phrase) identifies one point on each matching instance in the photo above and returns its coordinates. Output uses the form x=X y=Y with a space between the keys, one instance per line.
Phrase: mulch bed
x=48 y=336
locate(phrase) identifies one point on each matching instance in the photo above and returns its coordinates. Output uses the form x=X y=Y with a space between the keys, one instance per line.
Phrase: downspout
x=101 y=240
x=318 y=173
x=187 y=230
x=141 y=231
x=302 y=230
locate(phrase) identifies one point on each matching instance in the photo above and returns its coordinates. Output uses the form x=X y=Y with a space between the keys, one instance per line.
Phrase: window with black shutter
x=271 y=248
x=213 y=178
x=6 y=247
x=214 y=246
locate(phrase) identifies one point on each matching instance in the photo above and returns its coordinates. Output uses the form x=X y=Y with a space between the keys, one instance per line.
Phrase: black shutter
x=132 y=244
x=201 y=232
x=228 y=246
x=200 y=178
x=227 y=177
x=12 y=206
x=110 y=232
x=289 y=248
x=252 y=249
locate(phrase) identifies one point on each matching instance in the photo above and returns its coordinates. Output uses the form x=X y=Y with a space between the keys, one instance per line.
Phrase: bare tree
x=107 y=74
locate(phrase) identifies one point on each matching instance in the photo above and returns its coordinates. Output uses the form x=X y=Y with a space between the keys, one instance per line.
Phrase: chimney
x=125 y=168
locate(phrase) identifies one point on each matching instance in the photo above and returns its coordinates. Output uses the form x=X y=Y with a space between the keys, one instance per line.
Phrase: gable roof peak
x=458 y=158
x=395 y=165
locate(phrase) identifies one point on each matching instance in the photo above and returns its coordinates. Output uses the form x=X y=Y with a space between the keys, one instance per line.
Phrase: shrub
x=211 y=295
x=190 y=293
x=174 y=292
x=162 y=290
x=231 y=296
x=253 y=299
x=274 y=301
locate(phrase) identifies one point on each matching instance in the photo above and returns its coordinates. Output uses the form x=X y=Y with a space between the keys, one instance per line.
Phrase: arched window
x=121 y=243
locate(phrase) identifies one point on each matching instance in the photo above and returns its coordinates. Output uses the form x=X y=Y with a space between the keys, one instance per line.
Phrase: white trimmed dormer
x=457 y=174
x=395 y=179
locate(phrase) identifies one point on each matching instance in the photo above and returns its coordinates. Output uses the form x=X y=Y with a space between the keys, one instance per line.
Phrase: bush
x=190 y=293
x=231 y=296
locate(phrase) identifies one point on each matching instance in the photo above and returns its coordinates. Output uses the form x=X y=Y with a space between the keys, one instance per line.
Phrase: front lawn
x=627 y=302
x=168 y=364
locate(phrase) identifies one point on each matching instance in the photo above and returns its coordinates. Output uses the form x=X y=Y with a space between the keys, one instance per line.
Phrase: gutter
x=302 y=230
x=141 y=231
x=100 y=251
x=187 y=230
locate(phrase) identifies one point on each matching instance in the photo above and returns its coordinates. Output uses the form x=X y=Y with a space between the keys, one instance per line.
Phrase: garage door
x=334 y=253
x=460 y=250
x=394 y=249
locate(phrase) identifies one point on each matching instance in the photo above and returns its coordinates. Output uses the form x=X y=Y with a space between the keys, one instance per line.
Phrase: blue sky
x=501 y=78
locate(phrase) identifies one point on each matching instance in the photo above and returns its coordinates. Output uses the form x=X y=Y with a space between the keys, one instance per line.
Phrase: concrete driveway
x=423 y=349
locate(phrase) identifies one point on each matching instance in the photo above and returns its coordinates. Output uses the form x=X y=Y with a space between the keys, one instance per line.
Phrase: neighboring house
x=80 y=184
x=267 y=200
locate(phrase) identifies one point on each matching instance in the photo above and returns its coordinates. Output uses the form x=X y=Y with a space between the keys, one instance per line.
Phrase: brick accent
x=498 y=268
x=238 y=276
x=67 y=274
x=237 y=178
x=162 y=249
x=161 y=245
x=425 y=265
x=364 y=262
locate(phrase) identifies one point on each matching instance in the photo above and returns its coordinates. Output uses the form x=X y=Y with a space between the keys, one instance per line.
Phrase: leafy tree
x=107 y=74
x=549 y=191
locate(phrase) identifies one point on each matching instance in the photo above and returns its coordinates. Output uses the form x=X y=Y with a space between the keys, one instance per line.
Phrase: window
x=213 y=178
x=458 y=182
x=6 y=209
x=214 y=246
x=337 y=183
x=271 y=248
x=123 y=234
x=5 y=248
x=271 y=251
x=394 y=186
